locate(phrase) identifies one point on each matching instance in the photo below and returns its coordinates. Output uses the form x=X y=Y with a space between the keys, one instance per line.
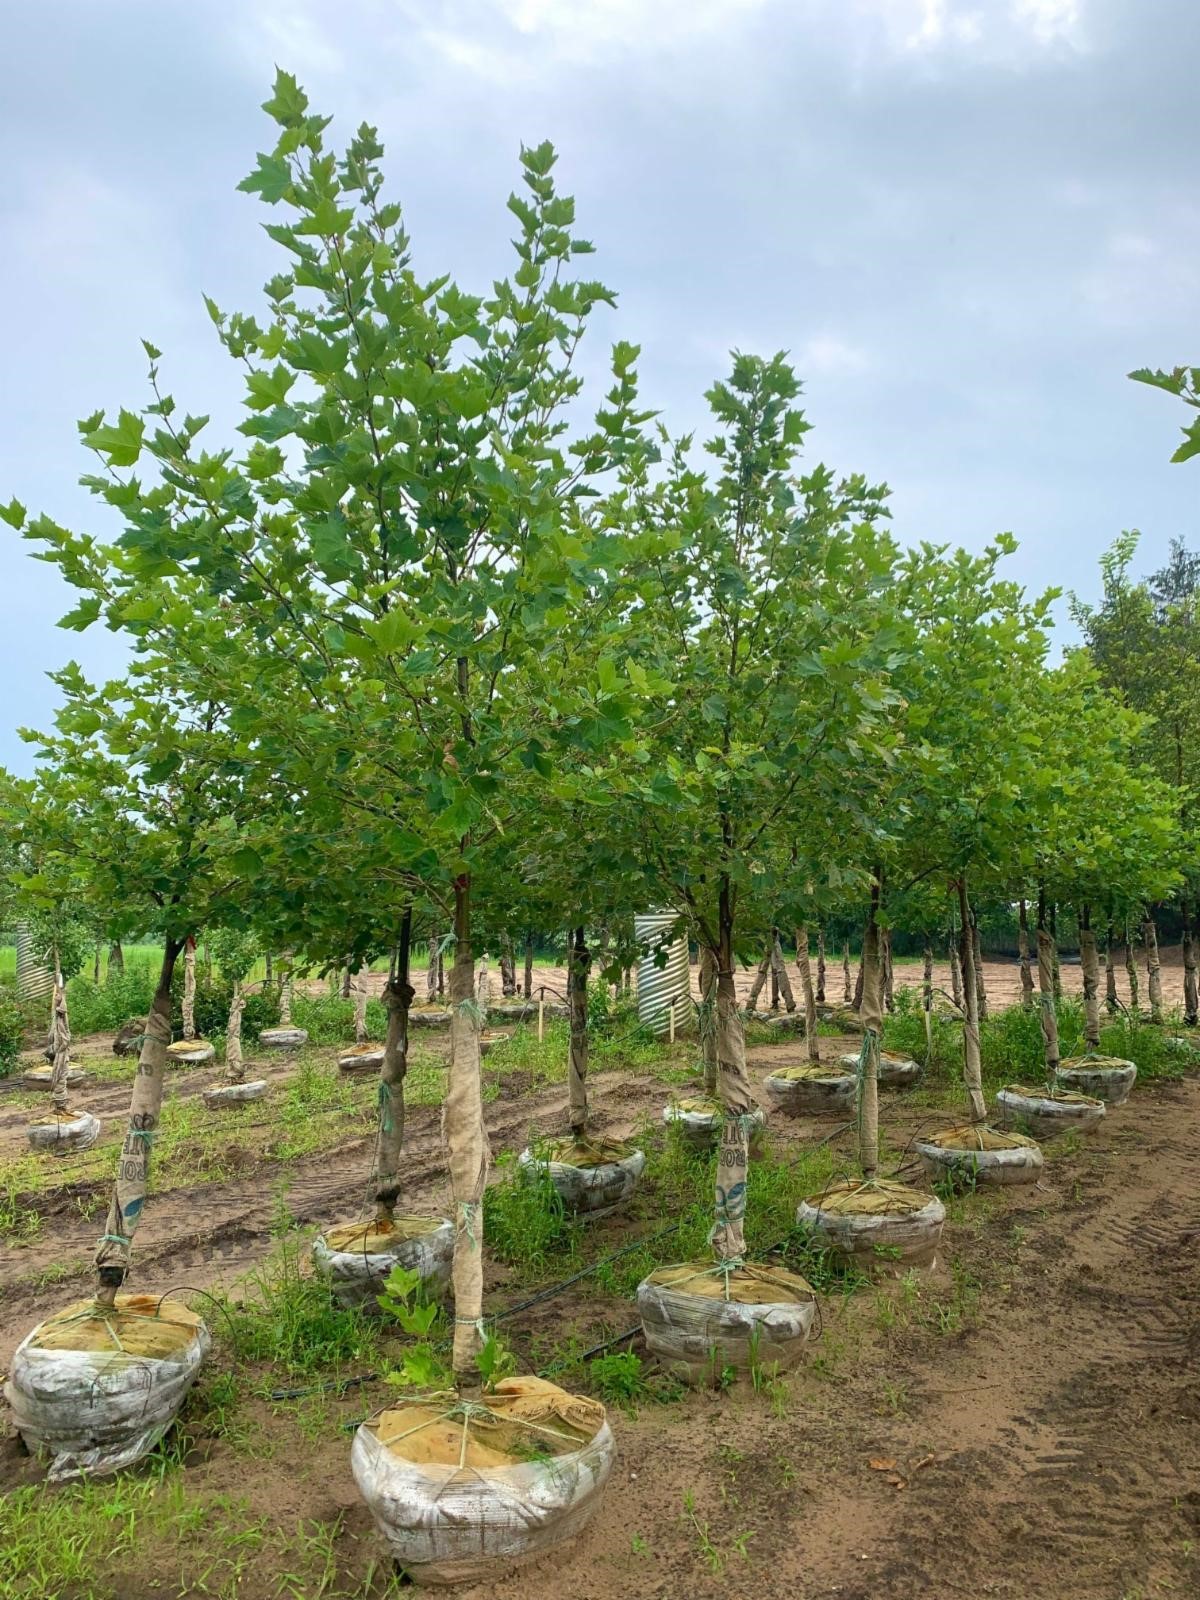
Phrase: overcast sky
x=965 y=219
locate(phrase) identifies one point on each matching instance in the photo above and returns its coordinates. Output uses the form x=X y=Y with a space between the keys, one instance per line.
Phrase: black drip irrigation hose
x=335 y=1385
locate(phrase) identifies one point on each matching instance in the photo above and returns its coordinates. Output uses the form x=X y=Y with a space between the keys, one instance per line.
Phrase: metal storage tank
x=662 y=989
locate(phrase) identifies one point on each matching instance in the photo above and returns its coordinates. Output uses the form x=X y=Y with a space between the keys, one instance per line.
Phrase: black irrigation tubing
x=332 y=1384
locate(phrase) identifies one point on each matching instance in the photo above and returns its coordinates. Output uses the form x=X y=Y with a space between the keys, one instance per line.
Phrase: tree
x=1184 y=383
x=759 y=638
x=144 y=798
x=393 y=547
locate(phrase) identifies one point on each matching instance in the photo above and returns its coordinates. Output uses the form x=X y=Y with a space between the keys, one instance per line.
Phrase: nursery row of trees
x=423 y=653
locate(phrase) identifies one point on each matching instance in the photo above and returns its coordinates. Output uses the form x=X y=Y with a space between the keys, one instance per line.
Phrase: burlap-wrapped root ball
x=357 y=1257
x=63 y=1131
x=1106 y=1078
x=812 y=1091
x=698 y=1118
x=463 y=1493
x=896 y=1070
x=979 y=1154
x=1045 y=1113
x=592 y=1176
x=699 y=1319
x=883 y=1227
x=95 y=1388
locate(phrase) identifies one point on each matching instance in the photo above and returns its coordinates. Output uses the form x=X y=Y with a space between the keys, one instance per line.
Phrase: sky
x=966 y=220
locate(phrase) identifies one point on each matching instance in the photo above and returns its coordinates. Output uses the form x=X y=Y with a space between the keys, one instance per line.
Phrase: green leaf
x=122 y=445
x=14 y=514
x=272 y=179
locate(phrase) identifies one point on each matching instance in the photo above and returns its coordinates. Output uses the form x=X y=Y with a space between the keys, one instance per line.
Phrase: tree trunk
x=927 y=998
x=397 y=998
x=189 y=989
x=1089 y=960
x=956 y=988
x=1131 y=971
x=441 y=984
x=733 y=1088
x=820 y=964
x=361 y=991
x=1023 y=949
x=977 y=966
x=872 y=1018
x=483 y=989
x=431 y=972
x=1110 y=974
x=807 y=992
x=96 y=966
x=133 y=1163
x=889 y=977
x=234 y=1069
x=267 y=972
x=60 y=1041
x=1057 y=968
x=466 y=1138
x=764 y=967
x=529 y=966
x=508 y=968
x=1045 y=949
x=859 y=980
x=782 y=982
x=972 y=1061
x=116 y=958
x=774 y=982
x=708 y=1018
x=347 y=984
x=1191 y=990
x=285 y=991
x=578 y=960
x=1153 y=970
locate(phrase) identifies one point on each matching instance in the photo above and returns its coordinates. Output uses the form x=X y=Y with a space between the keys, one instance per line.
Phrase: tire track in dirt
x=212 y=1232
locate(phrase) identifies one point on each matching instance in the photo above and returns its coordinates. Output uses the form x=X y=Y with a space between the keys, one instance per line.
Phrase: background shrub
x=12 y=1028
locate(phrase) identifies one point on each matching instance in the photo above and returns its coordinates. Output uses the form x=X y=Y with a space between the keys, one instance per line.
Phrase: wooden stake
x=541 y=1014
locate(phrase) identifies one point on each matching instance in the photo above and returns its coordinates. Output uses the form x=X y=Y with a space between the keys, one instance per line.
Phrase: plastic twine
x=468 y=1210
x=385 y=1107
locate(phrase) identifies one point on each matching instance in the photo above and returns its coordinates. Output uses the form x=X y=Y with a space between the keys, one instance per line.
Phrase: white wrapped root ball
x=357 y=1257
x=699 y=1319
x=1106 y=1078
x=1045 y=1113
x=896 y=1070
x=698 y=1119
x=362 y=1058
x=592 y=1176
x=884 y=1227
x=60 y=1132
x=981 y=1155
x=235 y=1094
x=95 y=1388
x=463 y=1492
x=812 y=1090
x=283 y=1038
x=189 y=1052
x=40 y=1077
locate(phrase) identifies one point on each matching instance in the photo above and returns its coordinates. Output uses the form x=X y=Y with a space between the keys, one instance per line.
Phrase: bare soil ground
x=1025 y=1425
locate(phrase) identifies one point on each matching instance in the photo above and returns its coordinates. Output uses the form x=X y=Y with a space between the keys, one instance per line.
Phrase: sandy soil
x=1046 y=1445
x=1002 y=979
